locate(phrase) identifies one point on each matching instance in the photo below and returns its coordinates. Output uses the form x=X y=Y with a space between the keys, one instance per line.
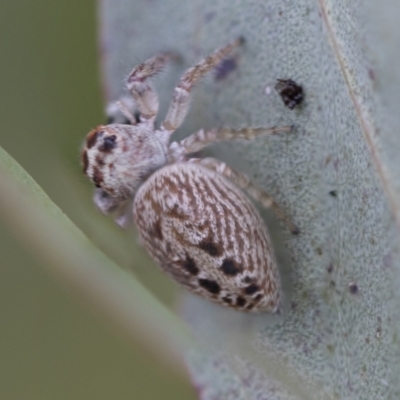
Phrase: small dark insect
x=333 y=193
x=290 y=92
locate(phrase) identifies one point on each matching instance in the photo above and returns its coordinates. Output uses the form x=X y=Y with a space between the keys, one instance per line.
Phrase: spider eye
x=109 y=143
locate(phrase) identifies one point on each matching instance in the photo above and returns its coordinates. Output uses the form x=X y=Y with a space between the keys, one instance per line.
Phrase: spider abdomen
x=207 y=235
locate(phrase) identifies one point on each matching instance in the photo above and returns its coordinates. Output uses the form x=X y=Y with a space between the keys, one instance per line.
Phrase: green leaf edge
x=69 y=255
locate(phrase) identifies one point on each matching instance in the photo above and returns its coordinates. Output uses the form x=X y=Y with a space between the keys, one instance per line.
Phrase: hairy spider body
x=190 y=213
x=208 y=236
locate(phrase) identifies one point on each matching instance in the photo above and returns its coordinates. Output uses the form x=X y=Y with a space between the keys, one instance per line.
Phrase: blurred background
x=51 y=345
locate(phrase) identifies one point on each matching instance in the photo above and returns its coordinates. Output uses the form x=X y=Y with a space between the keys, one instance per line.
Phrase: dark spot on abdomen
x=190 y=266
x=210 y=285
x=229 y=267
x=240 y=301
x=211 y=248
x=251 y=289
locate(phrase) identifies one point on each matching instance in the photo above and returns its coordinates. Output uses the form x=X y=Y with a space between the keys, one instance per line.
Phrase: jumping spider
x=190 y=213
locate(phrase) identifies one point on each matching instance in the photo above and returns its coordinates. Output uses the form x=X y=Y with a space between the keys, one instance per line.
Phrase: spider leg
x=126 y=112
x=145 y=97
x=108 y=205
x=242 y=181
x=121 y=111
x=202 y=138
x=181 y=98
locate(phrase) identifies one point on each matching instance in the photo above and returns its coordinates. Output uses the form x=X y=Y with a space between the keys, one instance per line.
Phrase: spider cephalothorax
x=118 y=158
x=190 y=213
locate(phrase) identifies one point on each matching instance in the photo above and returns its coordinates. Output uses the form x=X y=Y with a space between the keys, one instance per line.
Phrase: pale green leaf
x=337 y=175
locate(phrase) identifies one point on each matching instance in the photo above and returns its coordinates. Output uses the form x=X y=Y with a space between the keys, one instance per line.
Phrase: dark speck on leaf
x=353 y=288
x=224 y=68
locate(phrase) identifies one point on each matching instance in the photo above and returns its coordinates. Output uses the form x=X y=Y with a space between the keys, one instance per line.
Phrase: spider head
x=119 y=158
